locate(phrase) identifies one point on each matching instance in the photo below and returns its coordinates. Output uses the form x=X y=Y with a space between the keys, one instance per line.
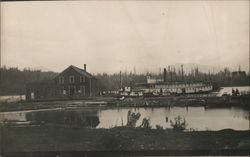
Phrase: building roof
x=79 y=70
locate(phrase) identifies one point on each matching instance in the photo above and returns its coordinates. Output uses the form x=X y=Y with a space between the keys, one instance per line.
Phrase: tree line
x=13 y=80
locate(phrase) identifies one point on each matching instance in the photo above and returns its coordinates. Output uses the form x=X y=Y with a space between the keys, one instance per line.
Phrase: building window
x=82 y=90
x=82 y=79
x=61 y=80
x=62 y=90
x=71 y=90
x=71 y=79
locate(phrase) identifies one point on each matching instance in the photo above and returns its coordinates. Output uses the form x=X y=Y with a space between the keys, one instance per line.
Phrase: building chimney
x=85 y=67
x=165 y=75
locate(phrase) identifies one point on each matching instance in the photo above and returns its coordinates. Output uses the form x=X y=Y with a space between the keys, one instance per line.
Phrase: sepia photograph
x=124 y=78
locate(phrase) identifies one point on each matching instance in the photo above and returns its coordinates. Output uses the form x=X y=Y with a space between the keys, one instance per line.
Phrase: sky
x=110 y=36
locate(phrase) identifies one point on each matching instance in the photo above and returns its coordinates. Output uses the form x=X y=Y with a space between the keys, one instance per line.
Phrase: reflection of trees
x=242 y=113
x=246 y=116
x=80 y=118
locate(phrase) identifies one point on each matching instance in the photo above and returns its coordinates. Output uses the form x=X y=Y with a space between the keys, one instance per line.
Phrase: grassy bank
x=58 y=139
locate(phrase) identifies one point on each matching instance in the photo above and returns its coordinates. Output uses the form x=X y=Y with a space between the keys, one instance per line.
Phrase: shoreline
x=152 y=102
x=59 y=139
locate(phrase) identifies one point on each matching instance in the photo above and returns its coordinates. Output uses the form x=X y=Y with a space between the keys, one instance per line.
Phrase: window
x=61 y=80
x=62 y=90
x=71 y=90
x=82 y=89
x=82 y=79
x=71 y=79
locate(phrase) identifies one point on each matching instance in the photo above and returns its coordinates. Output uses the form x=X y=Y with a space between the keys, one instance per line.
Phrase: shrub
x=179 y=123
x=114 y=142
x=158 y=127
x=145 y=123
x=132 y=118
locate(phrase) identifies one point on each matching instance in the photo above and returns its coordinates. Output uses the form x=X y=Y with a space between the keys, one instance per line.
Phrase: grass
x=51 y=138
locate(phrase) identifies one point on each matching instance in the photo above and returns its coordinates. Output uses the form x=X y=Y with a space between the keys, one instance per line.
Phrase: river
x=197 y=118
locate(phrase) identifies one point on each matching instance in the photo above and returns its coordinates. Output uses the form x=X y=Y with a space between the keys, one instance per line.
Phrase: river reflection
x=197 y=118
x=65 y=117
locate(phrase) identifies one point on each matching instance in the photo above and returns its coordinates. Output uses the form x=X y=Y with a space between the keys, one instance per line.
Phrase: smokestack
x=171 y=74
x=120 y=79
x=130 y=86
x=182 y=73
x=85 y=67
x=165 y=75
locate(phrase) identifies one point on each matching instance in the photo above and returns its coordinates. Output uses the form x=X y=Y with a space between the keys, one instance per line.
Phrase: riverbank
x=34 y=139
x=109 y=102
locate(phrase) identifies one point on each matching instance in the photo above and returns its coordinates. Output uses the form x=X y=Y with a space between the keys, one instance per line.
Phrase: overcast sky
x=109 y=36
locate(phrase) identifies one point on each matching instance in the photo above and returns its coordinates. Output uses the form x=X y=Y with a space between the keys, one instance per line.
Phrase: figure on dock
x=237 y=93
x=233 y=92
x=166 y=119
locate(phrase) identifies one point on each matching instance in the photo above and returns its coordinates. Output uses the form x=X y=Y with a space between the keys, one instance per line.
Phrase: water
x=197 y=118
x=20 y=115
x=12 y=98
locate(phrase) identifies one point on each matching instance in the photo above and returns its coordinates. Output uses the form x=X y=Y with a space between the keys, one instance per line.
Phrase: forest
x=13 y=80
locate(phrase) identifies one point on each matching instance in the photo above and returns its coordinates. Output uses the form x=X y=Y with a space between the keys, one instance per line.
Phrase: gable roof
x=79 y=70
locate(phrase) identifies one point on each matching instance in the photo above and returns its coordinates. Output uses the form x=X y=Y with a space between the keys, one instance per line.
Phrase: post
x=120 y=79
x=165 y=75
x=182 y=77
x=130 y=86
x=171 y=74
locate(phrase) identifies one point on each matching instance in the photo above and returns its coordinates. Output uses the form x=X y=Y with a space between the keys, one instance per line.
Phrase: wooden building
x=40 y=90
x=73 y=83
